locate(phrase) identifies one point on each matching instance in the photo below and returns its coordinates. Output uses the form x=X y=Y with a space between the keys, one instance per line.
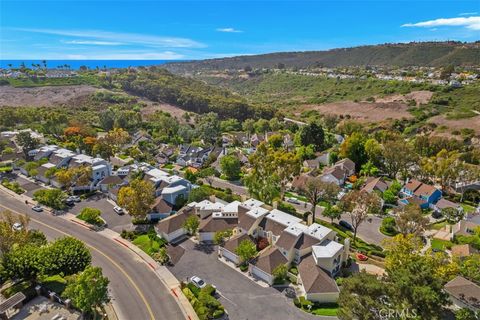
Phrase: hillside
x=409 y=54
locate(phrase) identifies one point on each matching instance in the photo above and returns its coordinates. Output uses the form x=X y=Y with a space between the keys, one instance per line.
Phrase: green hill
x=408 y=54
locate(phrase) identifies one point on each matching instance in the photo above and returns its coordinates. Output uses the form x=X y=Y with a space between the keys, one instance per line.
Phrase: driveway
x=29 y=186
x=99 y=201
x=242 y=298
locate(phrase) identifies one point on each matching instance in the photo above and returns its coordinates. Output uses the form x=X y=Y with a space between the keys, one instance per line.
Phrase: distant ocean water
x=91 y=64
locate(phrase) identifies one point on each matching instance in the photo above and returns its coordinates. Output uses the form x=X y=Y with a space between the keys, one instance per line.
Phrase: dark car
x=346 y=225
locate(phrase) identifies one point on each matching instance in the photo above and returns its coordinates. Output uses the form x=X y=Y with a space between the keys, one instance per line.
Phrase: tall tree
x=361 y=297
x=263 y=181
x=231 y=167
x=410 y=220
x=137 y=198
x=354 y=148
x=65 y=255
x=316 y=190
x=27 y=142
x=8 y=235
x=191 y=224
x=288 y=166
x=359 y=204
x=208 y=127
x=312 y=134
x=246 y=250
x=88 y=290
x=397 y=156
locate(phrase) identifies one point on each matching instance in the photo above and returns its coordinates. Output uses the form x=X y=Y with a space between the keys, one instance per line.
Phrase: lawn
x=441 y=244
x=325 y=311
x=467 y=208
x=55 y=283
x=148 y=245
x=438 y=225
x=296 y=196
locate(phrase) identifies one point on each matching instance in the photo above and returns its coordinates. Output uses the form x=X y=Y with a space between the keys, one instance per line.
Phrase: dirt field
x=366 y=111
x=472 y=123
x=58 y=95
x=419 y=97
x=42 y=96
x=390 y=107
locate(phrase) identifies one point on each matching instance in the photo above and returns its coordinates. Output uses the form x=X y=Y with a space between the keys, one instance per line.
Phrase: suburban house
x=375 y=184
x=465 y=227
x=444 y=203
x=196 y=156
x=339 y=172
x=160 y=209
x=313 y=248
x=168 y=186
x=464 y=293
x=171 y=228
x=420 y=193
x=111 y=182
x=321 y=159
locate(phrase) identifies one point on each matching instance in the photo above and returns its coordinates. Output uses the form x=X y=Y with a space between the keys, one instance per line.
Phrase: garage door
x=230 y=256
x=206 y=236
x=261 y=275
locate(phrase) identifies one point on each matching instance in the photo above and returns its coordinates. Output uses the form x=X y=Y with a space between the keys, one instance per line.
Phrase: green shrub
x=218 y=313
x=193 y=288
x=244 y=267
x=208 y=289
x=91 y=215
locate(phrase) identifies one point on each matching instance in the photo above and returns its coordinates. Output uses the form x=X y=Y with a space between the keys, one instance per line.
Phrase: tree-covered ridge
x=402 y=54
x=192 y=95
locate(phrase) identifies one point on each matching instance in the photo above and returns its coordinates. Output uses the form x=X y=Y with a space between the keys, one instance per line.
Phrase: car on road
x=346 y=225
x=37 y=208
x=17 y=226
x=118 y=210
x=293 y=200
x=198 y=282
x=69 y=202
x=74 y=198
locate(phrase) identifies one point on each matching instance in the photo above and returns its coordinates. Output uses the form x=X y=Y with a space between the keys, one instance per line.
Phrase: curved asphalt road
x=137 y=293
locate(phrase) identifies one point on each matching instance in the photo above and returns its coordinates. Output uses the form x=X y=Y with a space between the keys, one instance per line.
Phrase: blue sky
x=157 y=30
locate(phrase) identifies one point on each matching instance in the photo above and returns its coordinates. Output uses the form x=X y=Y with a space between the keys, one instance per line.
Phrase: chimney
x=346 y=249
x=309 y=218
x=243 y=198
x=212 y=198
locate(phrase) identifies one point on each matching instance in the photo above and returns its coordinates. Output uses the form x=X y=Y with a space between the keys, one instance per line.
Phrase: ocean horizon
x=91 y=64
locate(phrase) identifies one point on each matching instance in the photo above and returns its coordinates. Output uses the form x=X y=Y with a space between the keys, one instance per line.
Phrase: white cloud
x=127 y=38
x=468 y=13
x=93 y=42
x=229 y=30
x=472 y=23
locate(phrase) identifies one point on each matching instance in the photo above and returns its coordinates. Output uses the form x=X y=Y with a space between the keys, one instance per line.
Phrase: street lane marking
x=97 y=250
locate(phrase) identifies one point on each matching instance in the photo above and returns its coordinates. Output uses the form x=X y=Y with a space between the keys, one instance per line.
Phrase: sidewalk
x=162 y=272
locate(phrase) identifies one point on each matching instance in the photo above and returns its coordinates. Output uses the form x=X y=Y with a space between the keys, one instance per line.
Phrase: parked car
x=118 y=210
x=37 y=208
x=17 y=226
x=69 y=202
x=74 y=198
x=346 y=225
x=293 y=200
x=198 y=282
x=361 y=257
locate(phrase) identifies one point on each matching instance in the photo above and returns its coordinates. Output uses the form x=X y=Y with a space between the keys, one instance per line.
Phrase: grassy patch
x=467 y=208
x=439 y=244
x=438 y=225
x=55 y=283
x=325 y=311
x=14 y=186
x=150 y=244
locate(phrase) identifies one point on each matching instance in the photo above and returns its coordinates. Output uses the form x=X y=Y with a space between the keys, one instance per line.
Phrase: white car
x=17 y=226
x=293 y=200
x=37 y=208
x=118 y=210
x=199 y=283
x=75 y=198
